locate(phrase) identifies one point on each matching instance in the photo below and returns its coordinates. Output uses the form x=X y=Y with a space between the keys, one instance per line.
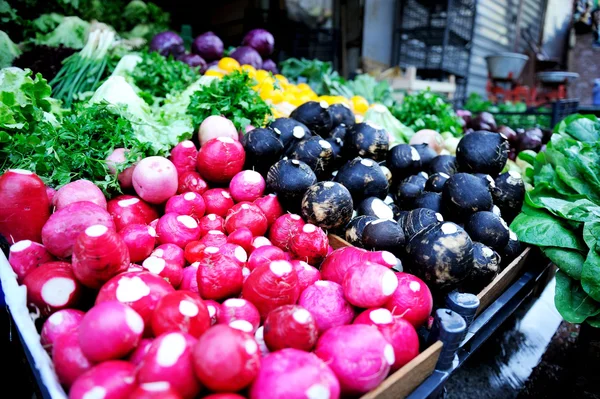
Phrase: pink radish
x=171 y=253
x=169 y=270
x=170 y=359
x=247 y=185
x=50 y=192
x=369 y=285
x=307 y=274
x=211 y=222
x=191 y=182
x=218 y=276
x=325 y=301
x=59 y=323
x=62 y=228
x=113 y=161
x=383 y=258
x=138 y=354
x=177 y=229
x=77 y=191
x=246 y=214
x=189 y=203
x=25 y=206
x=214 y=238
x=68 y=358
x=294 y=374
x=335 y=266
x=258 y=242
x=127 y=209
x=155 y=179
x=155 y=390
x=270 y=206
x=180 y=311
x=310 y=244
x=140 y=240
x=240 y=314
x=218 y=201
x=188 y=280
x=359 y=356
x=226 y=359
x=242 y=237
x=412 y=299
x=259 y=336
x=284 y=228
x=114 y=379
x=235 y=253
x=264 y=255
x=26 y=255
x=183 y=156
x=98 y=255
x=272 y=285
x=52 y=286
x=214 y=310
x=110 y=330
x=219 y=159
x=216 y=126
x=290 y=326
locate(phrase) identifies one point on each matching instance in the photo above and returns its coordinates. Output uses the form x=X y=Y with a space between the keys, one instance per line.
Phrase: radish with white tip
x=270 y=206
x=69 y=360
x=369 y=285
x=180 y=311
x=128 y=209
x=114 y=379
x=290 y=326
x=219 y=159
x=77 y=191
x=246 y=214
x=26 y=255
x=138 y=354
x=235 y=253
x=183 y=156
x=310 y=244
x=265 y=255
x=307 y=274
x=191 y=182
x=52 y=286
x=59 y=323
x=169 y=270
x=155 y=390
x=214 y=310
x=189 y=203
x=247 y=185
x=217 y=201
x=211 y=222
x=140 y=240
x=216 y=126
x=177 y=229
x=170 y=253
x=218 y=276
x=155 y=179
x=284 y=229
x=240 y=314
x=326 y=303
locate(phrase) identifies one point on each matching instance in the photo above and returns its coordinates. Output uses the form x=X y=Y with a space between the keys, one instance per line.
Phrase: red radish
x=52 y=286
x=138 y=354
x=272 y=285
x=369 y=285
x=110 y=330
x=329 y=250
x=310 y=244
x=77 y=191
x=219 y=159
x=62 y=228
x=25 y=206
x=214 y=238
x=114 y=379
x=167 y=269
x=170 y=359
x=59 y=323
x=294 y=374
x=307 y=274
x=218 y=276
x=50 y=192
x=211 y=222
x=224 y=396
x=189 y=203
x=98 y=255
x=240 y=314
x=270 y=206
x=259 y=336
x=335 y=266
x=140 y=240
x=127 y=209
x=177 y=229
x=216 y=126
x=191 y=182
x=383 y=258
x=411 y=300
x=359 y=356
x=118 y=156
x=258 y=242
x=26 y=255
x=68 y=358
x=171 y=253
x=247 y=185
x=290 y=326
x=245 y=273
x=214 y=310
x=188 y=280
x=397 y=331
x=246 y=214
x=183 y=156
x=194 y=251
x=135 y=268
x=226 y=359
x=140 y=290
x=155 y=390
x=218 y=201
x=235 y=253
x=155 y=179
x=284 y=228
x=325 y=301
x=264 y=255
x=180 y=311
x=242 y=237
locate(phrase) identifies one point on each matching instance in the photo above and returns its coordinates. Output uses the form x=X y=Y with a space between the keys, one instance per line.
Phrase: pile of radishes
x=185 y=291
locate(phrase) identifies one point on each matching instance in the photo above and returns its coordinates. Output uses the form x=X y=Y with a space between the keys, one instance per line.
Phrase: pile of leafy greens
x=561 y=215
x=507 y=113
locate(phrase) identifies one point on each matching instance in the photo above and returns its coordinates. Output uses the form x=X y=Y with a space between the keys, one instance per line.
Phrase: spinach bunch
x=561 y=215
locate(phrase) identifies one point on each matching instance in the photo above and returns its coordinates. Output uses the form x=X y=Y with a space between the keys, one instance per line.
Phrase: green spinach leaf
x=590 y=274
x=569 y=261
x=574 y=305
x=545 y=231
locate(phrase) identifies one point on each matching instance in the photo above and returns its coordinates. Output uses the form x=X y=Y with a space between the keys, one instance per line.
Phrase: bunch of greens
x=503 y=113
x=232 y=97
x=381 y=116
x=8 y=50
x=561 y=215
x=371 y=89
x=54 y=30
x=426 y=110
x=319 y=75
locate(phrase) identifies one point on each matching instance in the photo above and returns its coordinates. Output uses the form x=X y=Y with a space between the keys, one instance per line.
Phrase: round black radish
x=290 y=131
x=354 y=229
x=263 y=148
x=436 y=181
x=496 y=211
x=389 y=201
x=489 y=180
x=290 y=179
x=426 y=153
x=403 y=160
x=363 y=178
x=509 y=193
x=429 y=200
x=374 y=206
x=383 y=235
x=337 y=147
x=386 y=172
x=482 y=152
x=488 y=229
x=465 y=194
x=341 y=114
x=441 y=255
x=443 y=164
x=327 y=205
x=338 y=132
x=486 y=265
x=511 y=250
x=418 y=219
x=315 y=116
x=316 y=153
x=406 y=194
x=420 y=179
x=368 y=141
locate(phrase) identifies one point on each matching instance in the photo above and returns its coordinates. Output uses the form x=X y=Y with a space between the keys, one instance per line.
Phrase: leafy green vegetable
x=71 y=32
x=502 y=112
x=371 y=89
x=46 y=23
x=381 y=116
x=571 y=261
x=232 y=97
x=8 y=50
x=319 y=75
x=574 y=305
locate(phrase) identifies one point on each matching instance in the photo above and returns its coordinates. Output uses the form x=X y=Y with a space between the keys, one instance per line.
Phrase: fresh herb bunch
x=232 y=97
x=156 y=76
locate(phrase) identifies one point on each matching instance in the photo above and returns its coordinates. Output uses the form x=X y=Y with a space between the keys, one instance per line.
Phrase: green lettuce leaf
x=574 y=305
x=8 y=50
x=71 y=32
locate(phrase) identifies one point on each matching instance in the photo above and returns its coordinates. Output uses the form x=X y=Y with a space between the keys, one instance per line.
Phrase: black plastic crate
x=547 y=116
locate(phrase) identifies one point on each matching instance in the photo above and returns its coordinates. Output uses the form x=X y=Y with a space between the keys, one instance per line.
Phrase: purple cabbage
x=193 y=60
x=167 y=43
x=208 y=46
x=261 y=40
x=270 y=66
x=247 y=56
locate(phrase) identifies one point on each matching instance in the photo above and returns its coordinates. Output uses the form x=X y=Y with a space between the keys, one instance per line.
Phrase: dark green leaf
x=569 y=261
x=590 y=274
x=591 y=233
x=574 y=305
x=584 y=129
x=545 y=231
